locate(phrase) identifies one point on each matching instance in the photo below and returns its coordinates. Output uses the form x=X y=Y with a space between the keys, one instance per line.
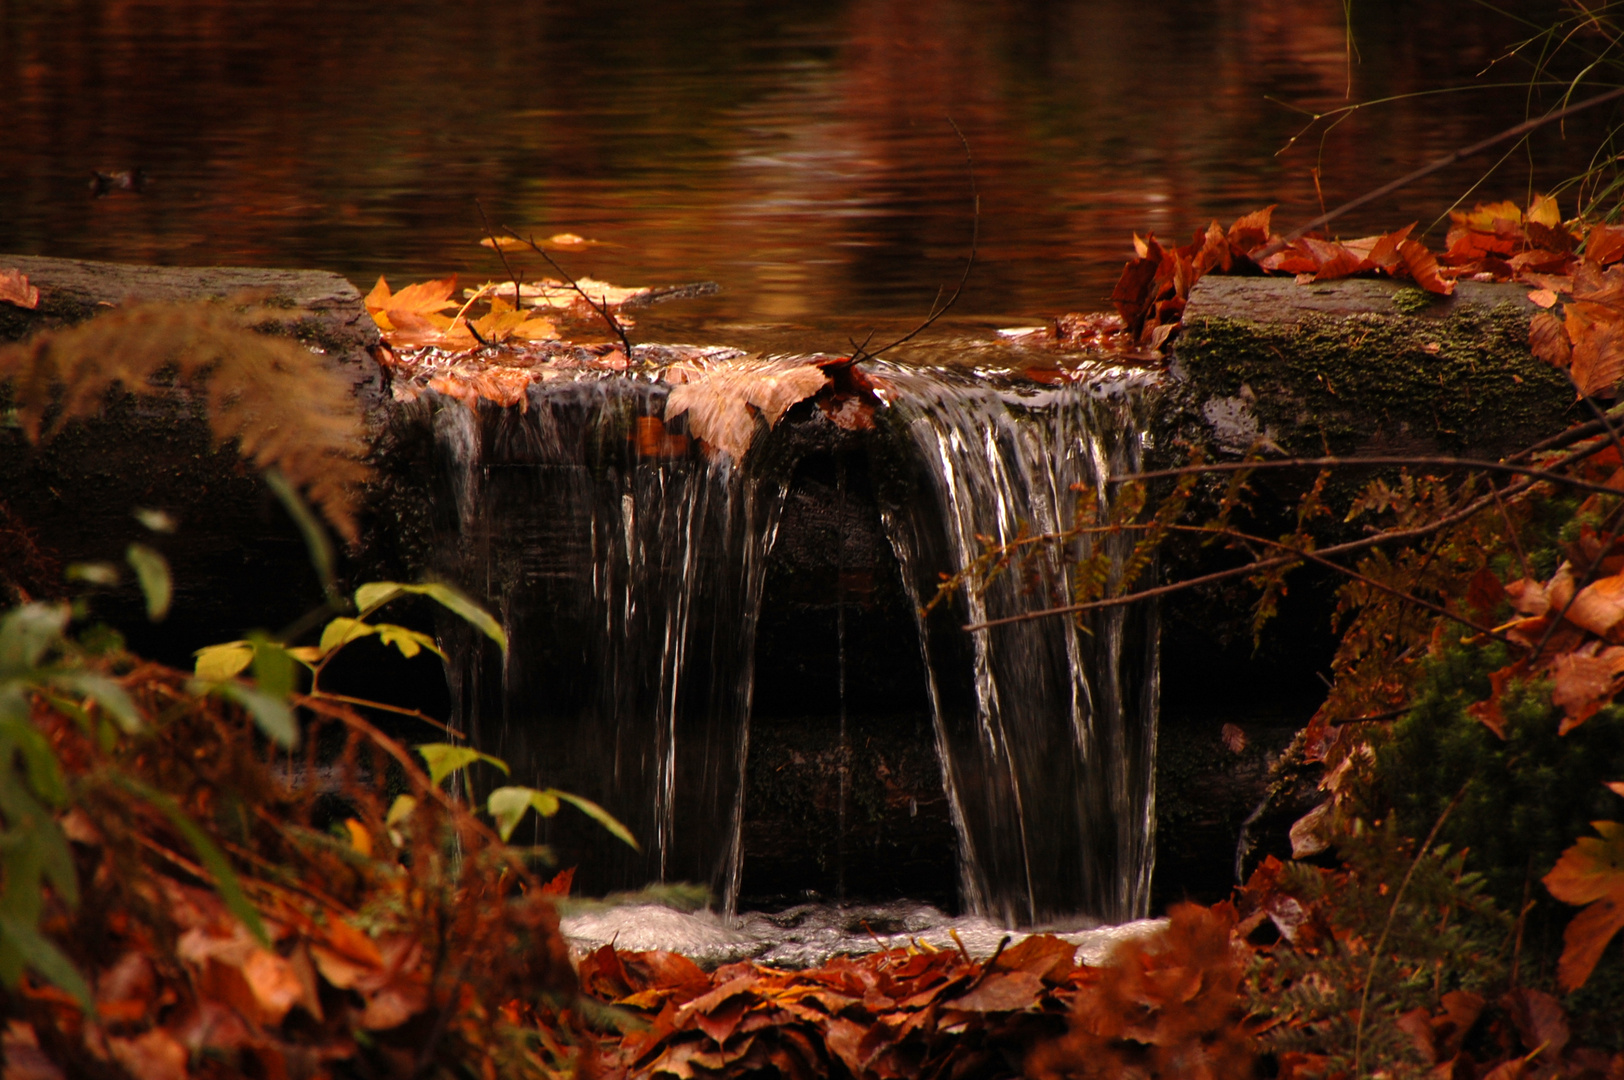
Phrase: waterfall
x=627 y=569
x=1046 y=730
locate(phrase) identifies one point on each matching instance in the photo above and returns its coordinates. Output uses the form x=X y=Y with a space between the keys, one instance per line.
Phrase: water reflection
x=797 y=152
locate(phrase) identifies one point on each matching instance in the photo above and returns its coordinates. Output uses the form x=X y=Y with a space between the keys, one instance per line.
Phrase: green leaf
x=409 y=642
x=375 y=594
x=114 y=700
x=213 y=860
x=92 y=573
x=27 y=633
x=39 y=762
x=507 y=805
x=315 y=537
x=341 y=631
x=446 y=758
x=273 y=667
x=272 y=715
x=600 y=815
x=152 y=571
x=44 y=957
x=400 y=810
x=217 y=663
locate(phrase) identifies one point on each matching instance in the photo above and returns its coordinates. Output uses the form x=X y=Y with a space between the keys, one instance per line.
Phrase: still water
x=798 y=153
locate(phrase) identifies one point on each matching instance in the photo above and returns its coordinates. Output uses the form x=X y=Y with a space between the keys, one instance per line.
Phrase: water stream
x=628 y=566
x=1046 y=729
x=627 y=573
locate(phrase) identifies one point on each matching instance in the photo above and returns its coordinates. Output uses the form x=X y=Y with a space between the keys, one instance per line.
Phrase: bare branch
x=601 y=309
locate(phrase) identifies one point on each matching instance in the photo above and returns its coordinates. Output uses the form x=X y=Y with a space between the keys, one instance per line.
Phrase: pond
x=800 y=154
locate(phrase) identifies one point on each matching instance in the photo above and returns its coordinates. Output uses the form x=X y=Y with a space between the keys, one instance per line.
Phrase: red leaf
x=561 y=882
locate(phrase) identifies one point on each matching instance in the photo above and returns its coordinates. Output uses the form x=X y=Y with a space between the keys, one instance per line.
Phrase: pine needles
x=283 y=405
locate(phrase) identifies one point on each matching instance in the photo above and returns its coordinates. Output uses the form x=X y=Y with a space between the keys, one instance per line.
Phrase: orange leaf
x=560 y=883
x=1590 y=873
x=154 y=1055
x=15 y=289
x=1252 y=231
x=1605 y=244
x=1422 y=268
x=1580 y=685
x=1598 y=357
x=1599 y=605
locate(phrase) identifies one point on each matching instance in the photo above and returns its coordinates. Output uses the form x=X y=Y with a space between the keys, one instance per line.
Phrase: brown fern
x=283 y=405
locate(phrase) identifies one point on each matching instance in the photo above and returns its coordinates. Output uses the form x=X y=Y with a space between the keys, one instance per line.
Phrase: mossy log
x=1360 y=367
x=1354 y=368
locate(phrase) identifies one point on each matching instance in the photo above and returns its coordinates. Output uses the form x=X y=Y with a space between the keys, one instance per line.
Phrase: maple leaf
x=421 y=300
x=1591 y=874
x=15 y=289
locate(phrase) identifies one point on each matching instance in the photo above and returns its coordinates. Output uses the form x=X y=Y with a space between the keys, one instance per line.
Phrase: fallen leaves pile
x=1166 y=1005
x=1573 y=270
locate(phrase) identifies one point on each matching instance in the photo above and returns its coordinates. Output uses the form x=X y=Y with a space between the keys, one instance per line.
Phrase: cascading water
x=627 y=571
x=1046 y=729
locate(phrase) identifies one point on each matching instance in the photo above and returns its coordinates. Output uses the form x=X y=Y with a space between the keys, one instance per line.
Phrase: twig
x=1444 y=162
x=1325 y=462
x=1261 y=564
x=601 y=309
x=400 y=710
x=496 y=245
x=936 y=312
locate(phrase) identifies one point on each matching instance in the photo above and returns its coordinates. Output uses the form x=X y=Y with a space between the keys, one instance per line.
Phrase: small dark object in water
x=132 y=180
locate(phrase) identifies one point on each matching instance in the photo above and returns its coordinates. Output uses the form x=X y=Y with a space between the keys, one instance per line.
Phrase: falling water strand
x=843 y=750
x=630 y=584
x=1045 y=729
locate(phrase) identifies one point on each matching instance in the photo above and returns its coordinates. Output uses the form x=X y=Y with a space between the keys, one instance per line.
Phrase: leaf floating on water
x=722 y=400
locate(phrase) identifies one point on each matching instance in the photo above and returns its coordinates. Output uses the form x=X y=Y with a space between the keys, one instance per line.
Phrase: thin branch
x=1444 y=162
x=1262 y=564
x=602 y=309
x=1324 y=462
x=975 y=236
x=397 y=709
x=518 y=302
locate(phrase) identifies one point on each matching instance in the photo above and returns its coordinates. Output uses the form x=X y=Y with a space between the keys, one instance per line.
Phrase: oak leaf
x=1589 y=874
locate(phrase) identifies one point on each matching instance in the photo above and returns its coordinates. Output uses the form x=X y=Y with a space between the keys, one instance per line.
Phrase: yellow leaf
x=360 y=839
x=1542 y=211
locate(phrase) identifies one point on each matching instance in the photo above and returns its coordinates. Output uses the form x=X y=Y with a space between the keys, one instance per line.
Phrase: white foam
x=812 y=934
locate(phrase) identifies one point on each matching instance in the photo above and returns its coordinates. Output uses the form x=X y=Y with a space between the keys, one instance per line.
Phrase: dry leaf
x=722 y=400
x=1590 y=873
x=15 y=289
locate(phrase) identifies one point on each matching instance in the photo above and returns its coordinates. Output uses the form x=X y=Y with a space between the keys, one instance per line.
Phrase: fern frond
x=280 y=402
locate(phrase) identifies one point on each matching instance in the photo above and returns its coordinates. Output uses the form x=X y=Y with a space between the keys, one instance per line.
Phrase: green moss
x=1461 y=381
x=1409 y=301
